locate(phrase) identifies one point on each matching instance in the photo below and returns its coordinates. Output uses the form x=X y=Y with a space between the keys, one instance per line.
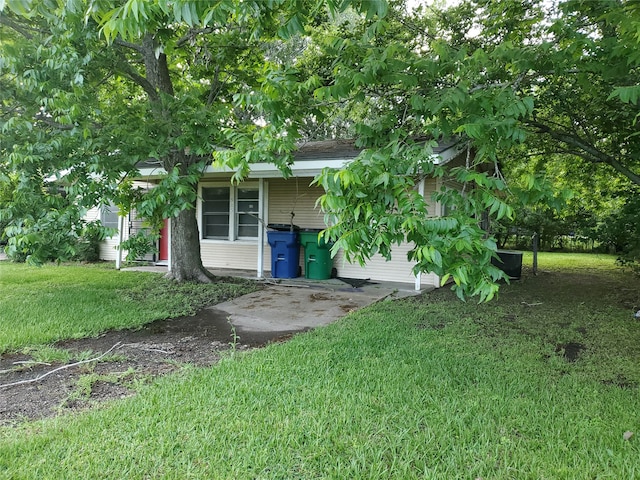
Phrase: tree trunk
x=186 y=262
x=185 y=257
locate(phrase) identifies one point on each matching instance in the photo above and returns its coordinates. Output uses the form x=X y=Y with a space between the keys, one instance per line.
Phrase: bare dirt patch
x=158 y=348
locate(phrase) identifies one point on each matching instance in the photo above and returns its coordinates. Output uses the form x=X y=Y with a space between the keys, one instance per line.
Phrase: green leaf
x=20 y=7
x=189 y=15
x=629 y=94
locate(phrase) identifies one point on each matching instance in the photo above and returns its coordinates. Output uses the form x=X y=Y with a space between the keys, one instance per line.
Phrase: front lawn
x=542 y=383
x=54 y=302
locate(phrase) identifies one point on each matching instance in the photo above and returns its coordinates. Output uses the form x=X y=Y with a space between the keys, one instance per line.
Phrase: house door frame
x=164 y=242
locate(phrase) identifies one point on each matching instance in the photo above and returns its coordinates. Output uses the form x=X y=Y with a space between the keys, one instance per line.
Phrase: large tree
x=46 y=120
x=178 y=79
x=557 y=78
x=94 y=89
x=577 y=60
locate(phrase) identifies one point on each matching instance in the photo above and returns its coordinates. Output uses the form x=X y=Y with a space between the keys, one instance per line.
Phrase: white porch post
x=169 y=249
x=418 y=280
x=261 y=226
x=120 y=236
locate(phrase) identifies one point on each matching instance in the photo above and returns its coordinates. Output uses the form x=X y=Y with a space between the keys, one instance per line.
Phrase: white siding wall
x=107 y=247
x=241 y=255
x=93 y=214
x=296 y=195
x=398 y=269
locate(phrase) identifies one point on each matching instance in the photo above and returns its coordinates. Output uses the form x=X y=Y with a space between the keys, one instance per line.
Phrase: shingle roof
x=310 y=158
x=346 y=149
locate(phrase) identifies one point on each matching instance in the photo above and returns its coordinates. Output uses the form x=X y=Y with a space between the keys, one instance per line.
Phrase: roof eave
x=299 y=168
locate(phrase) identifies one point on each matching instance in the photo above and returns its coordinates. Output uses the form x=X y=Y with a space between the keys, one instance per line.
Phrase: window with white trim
x=230 y=212
x=109 y=216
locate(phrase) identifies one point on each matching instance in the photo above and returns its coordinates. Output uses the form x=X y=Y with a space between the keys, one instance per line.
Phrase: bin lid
x=311 y=230
x=283 y=227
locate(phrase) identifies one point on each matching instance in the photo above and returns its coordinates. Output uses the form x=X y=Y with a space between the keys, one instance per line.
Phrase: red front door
x=163 y=247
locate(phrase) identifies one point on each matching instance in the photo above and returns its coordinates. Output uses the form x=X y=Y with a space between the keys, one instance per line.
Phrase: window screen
x=247 y=212
x=215 y=212
x=109 y=217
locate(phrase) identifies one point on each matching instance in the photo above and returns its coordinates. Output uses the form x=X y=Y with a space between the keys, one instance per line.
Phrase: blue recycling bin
x=285 y=254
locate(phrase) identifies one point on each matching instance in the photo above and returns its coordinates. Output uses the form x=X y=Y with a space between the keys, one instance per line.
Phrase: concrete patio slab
x=287 y=306
x=278 y=308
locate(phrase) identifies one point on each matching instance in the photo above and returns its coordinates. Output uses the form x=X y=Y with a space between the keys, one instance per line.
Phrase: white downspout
x=418 y=281
x=260 y=269
x=120 y=236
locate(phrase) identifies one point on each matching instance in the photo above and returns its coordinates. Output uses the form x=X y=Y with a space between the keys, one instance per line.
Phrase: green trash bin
x=317 y=255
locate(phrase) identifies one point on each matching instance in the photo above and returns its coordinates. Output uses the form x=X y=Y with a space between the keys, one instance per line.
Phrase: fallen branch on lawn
x=31 y=362
x=142 y=346
x=37 y=379
x=531 y=304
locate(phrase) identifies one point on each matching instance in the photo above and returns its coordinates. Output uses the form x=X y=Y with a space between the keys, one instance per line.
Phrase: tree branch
x=215 y=87
x=586 y=150
x=37 y=379
x=192 y=33
x=138 y=79
x=52 y=123
x=22 y=29
x=156 y=67
x=129 y=45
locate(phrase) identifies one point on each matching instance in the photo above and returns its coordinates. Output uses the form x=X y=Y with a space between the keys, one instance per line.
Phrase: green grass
x=572 y=261
x=427 y=387
x=54 y=302
x=86 y=382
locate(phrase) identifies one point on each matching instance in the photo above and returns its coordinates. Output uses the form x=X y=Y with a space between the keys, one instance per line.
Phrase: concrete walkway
x=278 y=308
x=286 y=306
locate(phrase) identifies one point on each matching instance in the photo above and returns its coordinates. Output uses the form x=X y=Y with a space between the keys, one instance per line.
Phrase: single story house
x=232 y=237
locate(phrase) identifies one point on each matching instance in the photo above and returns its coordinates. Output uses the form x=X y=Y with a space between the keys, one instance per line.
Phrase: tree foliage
x=92 y=89
x=552 y=81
